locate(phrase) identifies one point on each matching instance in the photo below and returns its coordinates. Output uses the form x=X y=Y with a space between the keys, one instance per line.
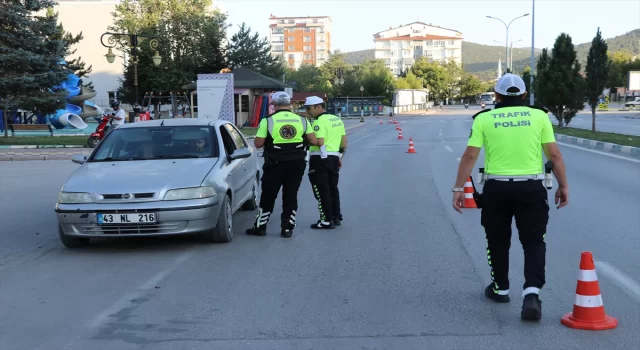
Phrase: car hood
x=138 y=176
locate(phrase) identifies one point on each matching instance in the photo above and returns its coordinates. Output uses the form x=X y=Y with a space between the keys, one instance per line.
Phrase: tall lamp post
x=338 y=80
x=132 y=41
x=533 y=67
x=506 y=42
x=361 y=104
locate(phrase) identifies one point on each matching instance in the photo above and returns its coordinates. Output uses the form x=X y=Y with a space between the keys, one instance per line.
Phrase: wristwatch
x=457 y=189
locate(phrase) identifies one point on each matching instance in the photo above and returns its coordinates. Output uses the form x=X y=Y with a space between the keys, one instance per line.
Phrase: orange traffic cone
x=380 y=121
x=397 y=127
x=469 y=202
x=400 y=135
x=588 y=309
x=412 y=149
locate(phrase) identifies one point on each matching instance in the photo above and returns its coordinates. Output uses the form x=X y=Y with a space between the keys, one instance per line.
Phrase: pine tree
x=559 y=85
x=30 y=57
x=598 y=65
x=250 y=51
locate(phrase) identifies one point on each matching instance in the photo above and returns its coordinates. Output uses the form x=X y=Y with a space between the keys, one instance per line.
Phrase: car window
x=237 y=137
x=227 y=140
x=162 y=142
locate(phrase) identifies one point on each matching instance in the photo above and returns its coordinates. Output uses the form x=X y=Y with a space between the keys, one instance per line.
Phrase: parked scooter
x=98 y=135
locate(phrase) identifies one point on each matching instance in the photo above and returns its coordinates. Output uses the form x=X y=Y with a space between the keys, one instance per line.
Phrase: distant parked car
x=160 y=177
x=635 y=103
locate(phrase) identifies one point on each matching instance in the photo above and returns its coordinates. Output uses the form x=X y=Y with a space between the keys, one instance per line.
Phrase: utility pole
x=533 y=66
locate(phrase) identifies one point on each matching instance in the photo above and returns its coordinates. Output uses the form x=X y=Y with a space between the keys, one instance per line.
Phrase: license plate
x=137 y=218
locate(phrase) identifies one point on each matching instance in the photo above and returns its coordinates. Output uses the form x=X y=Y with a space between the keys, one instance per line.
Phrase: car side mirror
x=239 y=154
x=79 y=158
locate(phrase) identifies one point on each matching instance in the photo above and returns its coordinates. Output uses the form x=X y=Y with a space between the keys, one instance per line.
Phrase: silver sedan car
x=160 y=177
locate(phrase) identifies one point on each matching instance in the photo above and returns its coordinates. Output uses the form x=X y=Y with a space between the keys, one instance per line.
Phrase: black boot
x=257 y=231
x=491 y=294
x=326 y=225
x=531 y=308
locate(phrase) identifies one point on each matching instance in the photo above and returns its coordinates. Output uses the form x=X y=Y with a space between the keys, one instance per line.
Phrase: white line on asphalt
x=599 y=152
x=140 y=290
x=624 y=282
x=448 y=149
x=364 y=137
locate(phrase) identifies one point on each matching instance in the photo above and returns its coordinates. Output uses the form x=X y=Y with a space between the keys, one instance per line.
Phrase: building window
x=292 y=56
x=277 y=31
x=291 y=21
x=307 y=39
x=450 y=43
x=280 y=21
x=277 y=38
x=291 y=47
x=315 y=20
x=428 y=43
x=307 y=30
x=307 y=47
x=278 y=47
x=291 y=30
x=451 y=53
x=290 y=38
x=307 y=57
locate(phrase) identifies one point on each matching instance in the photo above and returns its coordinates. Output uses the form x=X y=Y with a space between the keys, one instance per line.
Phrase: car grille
x=118 y=196
x=130 y=229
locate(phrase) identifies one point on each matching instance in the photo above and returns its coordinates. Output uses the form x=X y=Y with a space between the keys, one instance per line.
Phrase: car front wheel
x=223 y=233
x=70 y=241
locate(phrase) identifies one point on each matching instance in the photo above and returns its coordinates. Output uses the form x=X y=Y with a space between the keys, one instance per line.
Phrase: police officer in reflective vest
x=514 y=137
x=284 y=136
x=325 y=161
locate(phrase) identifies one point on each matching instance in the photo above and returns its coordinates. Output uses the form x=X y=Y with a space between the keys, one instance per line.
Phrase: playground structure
x=76 y=110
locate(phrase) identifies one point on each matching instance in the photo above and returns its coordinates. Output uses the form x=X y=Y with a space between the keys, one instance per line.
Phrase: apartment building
x=301 y=39
x=400 y=47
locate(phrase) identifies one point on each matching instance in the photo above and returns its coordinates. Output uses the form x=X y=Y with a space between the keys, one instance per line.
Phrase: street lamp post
x=510 y=51
x=338 y=80
x=361 y=104
x=533 y=68
x=131 y=40
x=506 y=42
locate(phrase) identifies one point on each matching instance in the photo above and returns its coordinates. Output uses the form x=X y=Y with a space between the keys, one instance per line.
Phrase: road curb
x=599 y=145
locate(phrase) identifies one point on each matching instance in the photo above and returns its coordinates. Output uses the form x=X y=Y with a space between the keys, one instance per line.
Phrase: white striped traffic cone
x=588 y=309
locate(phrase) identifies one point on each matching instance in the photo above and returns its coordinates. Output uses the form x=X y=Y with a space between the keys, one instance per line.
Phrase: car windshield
x=161 y=142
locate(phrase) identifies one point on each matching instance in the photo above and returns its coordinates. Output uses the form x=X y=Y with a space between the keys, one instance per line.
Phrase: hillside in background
x=483 y=59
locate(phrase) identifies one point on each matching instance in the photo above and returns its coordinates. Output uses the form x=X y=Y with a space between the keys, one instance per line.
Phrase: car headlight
x=74 y=198
x=189 y=193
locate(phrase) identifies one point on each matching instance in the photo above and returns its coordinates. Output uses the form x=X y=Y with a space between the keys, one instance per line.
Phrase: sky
x=355 y=21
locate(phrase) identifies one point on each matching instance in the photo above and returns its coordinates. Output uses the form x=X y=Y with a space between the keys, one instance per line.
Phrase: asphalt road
x=405 y=271
x=611 y=121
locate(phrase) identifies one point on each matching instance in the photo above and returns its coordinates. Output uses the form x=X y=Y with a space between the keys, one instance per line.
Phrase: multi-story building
x=400 y=47
x=301 y=39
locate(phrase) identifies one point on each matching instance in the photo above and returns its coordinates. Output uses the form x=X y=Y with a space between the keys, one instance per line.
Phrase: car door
x=235 y=171
x=247 y=163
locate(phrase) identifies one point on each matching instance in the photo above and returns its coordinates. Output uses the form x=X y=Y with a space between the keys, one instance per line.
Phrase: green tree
x=250 y=51
x=191 y=35
x=306 y=78
x=618 y=70
x=434 y=77
x=559 y=85
x=409 y=81
x=471 y=87
x=30 y=58
x=375 y=78
x=598 y=64
x=331 y=69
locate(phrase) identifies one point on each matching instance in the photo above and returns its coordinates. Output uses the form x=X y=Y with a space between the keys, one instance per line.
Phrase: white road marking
x=624 y=282
x=140 y=290
x=448 y=149
x=599 y=152
x=364 y=137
